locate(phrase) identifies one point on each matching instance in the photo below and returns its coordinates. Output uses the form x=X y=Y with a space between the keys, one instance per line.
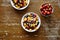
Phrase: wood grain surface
x=10 y=22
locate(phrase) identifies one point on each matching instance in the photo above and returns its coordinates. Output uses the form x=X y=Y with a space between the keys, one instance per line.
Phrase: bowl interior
x=46 y=15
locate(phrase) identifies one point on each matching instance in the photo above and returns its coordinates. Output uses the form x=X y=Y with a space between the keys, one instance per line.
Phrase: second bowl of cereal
x=20 y=4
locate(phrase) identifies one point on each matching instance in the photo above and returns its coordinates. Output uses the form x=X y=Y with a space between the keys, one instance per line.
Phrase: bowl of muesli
x=20 y=4
x=30 y=22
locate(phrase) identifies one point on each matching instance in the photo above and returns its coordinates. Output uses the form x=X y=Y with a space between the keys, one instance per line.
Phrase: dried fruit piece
x=25 y=19
x=15 y=1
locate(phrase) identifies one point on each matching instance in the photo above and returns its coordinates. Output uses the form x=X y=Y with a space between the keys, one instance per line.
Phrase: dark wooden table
x=10 y=26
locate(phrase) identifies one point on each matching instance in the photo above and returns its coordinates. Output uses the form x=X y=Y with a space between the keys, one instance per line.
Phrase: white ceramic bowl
x=28 y=1
x=27 y=29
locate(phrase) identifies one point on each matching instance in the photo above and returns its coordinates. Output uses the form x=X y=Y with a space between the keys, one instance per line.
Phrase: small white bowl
x=36 y=27
x=28 y=1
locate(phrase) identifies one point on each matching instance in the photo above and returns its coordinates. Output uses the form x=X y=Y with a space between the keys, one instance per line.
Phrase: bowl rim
x=28 y=1
x=36 y=27
x=52 y=9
